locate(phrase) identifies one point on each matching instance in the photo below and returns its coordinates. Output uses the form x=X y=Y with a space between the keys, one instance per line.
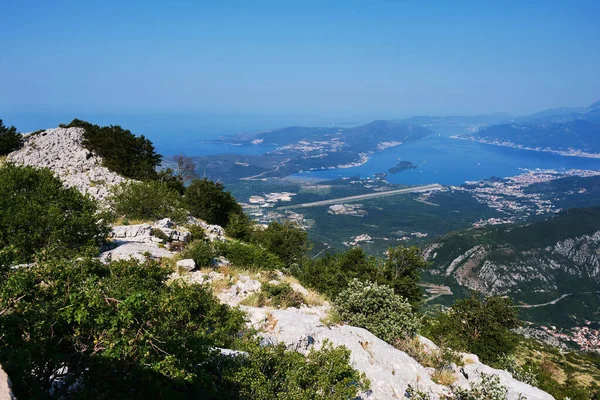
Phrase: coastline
x=569 y=153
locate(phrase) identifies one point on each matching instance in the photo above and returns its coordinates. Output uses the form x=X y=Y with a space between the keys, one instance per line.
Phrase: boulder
x=187 y=264
x=140 y=251
x=5 y=387
x=137 y=233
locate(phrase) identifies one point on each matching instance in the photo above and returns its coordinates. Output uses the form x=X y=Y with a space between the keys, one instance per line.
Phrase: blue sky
x=351 y=59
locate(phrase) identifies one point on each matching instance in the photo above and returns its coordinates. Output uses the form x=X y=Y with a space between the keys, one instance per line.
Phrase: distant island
x=402 y=166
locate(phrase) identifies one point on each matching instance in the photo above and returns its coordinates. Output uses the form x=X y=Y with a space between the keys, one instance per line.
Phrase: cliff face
x=61 y=151
x=520 y=259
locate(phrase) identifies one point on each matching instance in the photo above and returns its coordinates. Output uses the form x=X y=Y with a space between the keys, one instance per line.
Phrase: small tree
x=240 y=226
x=478 y=325
x=147 y=201
x=287 y=241
x=402 y=269
x=332 y=273
x=186 y=168
x=376 y=308
x=10 y=140
x=209 y=201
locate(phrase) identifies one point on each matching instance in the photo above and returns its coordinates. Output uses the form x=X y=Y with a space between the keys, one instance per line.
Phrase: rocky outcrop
x=5 y=387
x=389 y=370
x=142 y=241
x=500 y=269
x=61 y=150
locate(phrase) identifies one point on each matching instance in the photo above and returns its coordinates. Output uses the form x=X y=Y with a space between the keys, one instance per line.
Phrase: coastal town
x=506 y=143
x=509 y=197
x=584 y=337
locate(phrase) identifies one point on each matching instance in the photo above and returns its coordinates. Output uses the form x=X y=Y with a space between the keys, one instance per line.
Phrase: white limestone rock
x=134 y=233
x=5 y=387
x=61 y=151
x=187 y=264
x=140 y=251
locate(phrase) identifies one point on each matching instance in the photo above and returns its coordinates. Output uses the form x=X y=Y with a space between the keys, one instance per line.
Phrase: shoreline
x=570 y=153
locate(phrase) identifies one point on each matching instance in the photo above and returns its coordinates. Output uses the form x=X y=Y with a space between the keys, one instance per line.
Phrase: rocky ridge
x=389 y=370
x=61 y=150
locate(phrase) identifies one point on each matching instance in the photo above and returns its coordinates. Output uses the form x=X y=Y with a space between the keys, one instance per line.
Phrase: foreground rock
x=61 y=151
x=389 y=370
x=5 y=387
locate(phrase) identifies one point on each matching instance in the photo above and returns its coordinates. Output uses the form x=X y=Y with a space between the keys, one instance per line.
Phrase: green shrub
x=167 y=176
x=402 y=271
x=477 y=325
x=196 y=231
x=287 y=241
x=331 y=274
x=159 y=234
x=38 y=214
x=248 y=256
x=209 y=201
x=117 y=330
x=201 y=252
x=121 y=151
x=147 y=201
x=519 y=372
x=240 y=227
x=376 y=308
x=281 y=295
x=488 y=387
x=10 y=140
x=273 y=372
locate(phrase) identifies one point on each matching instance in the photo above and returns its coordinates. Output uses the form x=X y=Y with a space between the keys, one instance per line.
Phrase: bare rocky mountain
x=61 y=150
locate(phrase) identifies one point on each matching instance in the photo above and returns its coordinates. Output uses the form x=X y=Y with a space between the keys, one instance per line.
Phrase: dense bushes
x=200 y=251
x=147 y=201
x=276 y=373
x=209 y=201
x=38 y=214
x=332 y=273
x=121 y=151
x=477 y=325
x=10 y=140
x=248 y=255
x=287 y=241
x=82 y=329
x=377 y=309
x=115 y=329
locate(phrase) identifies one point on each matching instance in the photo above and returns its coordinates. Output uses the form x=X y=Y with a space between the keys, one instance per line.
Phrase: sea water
x=451 y=161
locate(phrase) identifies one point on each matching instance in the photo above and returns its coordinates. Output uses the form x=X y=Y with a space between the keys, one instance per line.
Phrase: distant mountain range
x=568 y=131
x=361 y=138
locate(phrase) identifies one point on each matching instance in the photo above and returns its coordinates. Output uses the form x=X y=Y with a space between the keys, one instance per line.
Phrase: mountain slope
x=577 y=134
x=529 y=262
x=360 y=138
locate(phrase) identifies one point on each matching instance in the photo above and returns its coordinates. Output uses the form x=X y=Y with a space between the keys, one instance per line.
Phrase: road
x=544 y=304
x=413 y=189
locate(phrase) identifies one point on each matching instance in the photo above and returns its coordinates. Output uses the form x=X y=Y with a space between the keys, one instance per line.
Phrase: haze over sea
x=439 y=159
